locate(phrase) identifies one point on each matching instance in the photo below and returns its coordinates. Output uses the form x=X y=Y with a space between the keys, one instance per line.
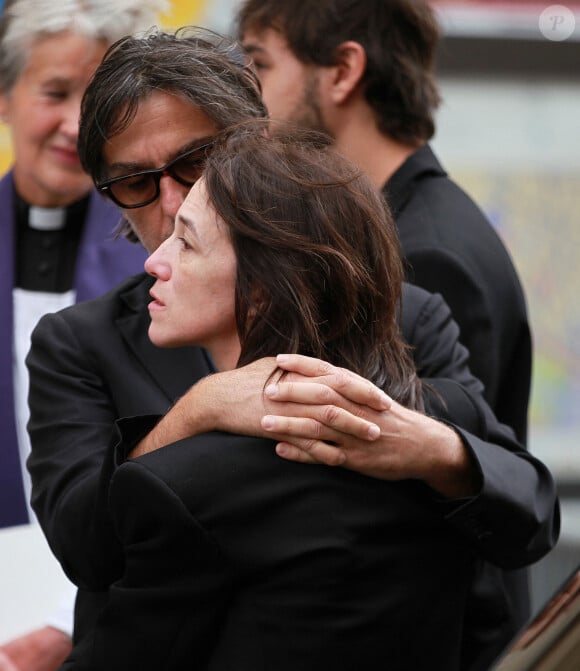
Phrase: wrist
x=189 y=416
x=199 y=407
x=454 y=473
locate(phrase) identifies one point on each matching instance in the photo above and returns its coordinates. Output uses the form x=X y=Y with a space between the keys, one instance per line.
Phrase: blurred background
x=509 y=133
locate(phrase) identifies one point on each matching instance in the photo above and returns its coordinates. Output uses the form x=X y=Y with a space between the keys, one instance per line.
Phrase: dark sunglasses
x=141 y=188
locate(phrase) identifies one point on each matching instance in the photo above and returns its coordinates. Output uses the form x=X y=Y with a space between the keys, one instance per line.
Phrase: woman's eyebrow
x=187 y=222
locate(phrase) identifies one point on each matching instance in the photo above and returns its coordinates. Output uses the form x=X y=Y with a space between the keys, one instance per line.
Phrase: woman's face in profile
x=43 y=110
x=194 y=295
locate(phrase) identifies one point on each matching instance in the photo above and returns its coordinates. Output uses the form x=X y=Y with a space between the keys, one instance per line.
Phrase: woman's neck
x=226 y=355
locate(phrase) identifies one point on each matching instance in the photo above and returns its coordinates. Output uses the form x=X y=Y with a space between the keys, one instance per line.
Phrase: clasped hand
x=332 y=416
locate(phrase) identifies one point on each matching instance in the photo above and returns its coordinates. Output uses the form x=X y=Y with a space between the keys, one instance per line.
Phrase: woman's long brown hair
x=319 y=270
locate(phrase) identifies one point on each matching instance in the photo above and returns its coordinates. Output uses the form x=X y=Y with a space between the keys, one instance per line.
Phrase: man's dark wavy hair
x=208 y=70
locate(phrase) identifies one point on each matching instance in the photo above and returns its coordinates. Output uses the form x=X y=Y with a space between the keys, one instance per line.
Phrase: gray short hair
x=24 y=21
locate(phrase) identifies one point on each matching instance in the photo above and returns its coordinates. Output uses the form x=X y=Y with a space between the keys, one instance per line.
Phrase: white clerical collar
x=47 y=218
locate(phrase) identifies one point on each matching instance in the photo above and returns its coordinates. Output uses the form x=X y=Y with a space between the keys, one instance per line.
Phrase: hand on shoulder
x=360 y=428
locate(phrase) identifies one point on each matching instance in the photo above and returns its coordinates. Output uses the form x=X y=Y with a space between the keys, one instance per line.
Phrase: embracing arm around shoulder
x=500 y=496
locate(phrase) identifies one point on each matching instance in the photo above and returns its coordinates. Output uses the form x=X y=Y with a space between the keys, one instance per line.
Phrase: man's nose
x=171 y=194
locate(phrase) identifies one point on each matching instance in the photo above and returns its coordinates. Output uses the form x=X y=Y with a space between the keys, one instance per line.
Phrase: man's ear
x=348 y=71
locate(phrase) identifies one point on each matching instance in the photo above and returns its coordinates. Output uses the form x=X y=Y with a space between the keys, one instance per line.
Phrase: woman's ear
x=348 y=71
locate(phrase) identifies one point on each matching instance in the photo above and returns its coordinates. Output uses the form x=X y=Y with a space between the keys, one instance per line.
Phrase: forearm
x=71 y=415
x=446 y=465
x=192 y=414
x=74 y=518
x=231 y=401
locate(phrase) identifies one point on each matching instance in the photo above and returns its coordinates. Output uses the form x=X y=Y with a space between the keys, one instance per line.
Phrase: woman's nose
x=157 y=263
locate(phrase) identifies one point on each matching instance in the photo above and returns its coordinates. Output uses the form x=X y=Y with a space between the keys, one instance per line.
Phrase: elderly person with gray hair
x=58 y=246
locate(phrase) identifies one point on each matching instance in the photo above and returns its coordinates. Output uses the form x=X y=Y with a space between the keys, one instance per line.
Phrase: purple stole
x=101 y=264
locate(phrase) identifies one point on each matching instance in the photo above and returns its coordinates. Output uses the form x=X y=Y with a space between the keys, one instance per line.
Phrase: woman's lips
x=155 y=304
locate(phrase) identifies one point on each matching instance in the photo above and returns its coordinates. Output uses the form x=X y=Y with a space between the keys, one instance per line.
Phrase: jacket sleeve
x=443 y=273
x=429 y=328
x=70 y=425
x=166 y=550
x=89 y=365
x=515 y=518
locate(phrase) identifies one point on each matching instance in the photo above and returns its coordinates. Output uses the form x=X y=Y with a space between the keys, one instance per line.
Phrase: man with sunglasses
x=160 y=101
x=141 y=188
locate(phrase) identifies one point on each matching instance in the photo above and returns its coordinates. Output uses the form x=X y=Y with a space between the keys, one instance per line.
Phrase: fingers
x=305 y=365
x=351 y=386
x=311 y=452
x=329 y=424
x=340 y=388
x=320 y=402
x=309 y=392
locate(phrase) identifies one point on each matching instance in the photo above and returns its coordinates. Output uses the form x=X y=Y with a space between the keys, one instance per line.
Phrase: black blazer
x=450 y=248
x=83 y=378
x=256 y=564
x=237 y=560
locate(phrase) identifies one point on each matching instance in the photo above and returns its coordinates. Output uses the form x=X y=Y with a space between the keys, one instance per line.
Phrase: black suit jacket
x=237 y=560
x=83 y=378
x=450 y=248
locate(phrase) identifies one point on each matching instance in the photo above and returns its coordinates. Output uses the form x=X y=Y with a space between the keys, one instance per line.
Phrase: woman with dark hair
x=234 y=558
x=313 y=240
